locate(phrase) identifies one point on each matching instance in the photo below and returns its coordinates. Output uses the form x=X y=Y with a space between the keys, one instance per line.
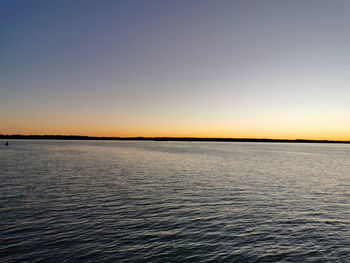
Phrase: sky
x=194 y=68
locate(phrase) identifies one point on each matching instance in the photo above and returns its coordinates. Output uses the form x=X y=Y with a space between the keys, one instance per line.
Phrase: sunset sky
x=262 y=69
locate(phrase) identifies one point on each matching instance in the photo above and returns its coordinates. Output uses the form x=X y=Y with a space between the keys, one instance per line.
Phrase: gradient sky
x=264 y=69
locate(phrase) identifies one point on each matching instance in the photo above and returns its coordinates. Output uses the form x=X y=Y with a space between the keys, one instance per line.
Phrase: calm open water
x=129 y=201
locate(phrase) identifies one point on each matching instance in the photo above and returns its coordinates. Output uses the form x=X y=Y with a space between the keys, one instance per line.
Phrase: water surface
x=134 y=201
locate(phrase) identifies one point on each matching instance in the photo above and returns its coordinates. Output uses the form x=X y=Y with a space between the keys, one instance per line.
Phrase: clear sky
x=263 y=69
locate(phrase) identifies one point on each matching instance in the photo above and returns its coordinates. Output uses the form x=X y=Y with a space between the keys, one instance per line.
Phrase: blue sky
x=176 y=68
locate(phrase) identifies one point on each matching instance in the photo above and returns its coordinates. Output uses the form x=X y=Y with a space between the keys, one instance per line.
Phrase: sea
x=150 y=201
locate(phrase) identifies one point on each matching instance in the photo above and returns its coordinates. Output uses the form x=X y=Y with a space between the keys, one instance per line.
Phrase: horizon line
x=165 y=138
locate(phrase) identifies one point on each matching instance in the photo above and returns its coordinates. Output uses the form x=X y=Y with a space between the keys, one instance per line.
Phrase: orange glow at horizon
x=214 y=124
x=200 y=131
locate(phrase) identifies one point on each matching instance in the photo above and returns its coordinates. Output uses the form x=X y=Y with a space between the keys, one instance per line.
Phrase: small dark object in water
x=7 y=143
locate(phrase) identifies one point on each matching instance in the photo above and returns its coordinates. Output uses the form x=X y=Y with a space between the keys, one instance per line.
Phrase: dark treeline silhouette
x=185 y=139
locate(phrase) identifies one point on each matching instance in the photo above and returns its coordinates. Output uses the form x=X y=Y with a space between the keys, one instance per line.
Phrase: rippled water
x=124 y=201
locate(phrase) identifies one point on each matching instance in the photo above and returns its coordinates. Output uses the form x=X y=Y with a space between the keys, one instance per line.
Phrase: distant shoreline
x=184 y=139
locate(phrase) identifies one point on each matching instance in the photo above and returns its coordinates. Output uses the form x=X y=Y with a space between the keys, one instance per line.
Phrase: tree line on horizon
x=189 y=139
